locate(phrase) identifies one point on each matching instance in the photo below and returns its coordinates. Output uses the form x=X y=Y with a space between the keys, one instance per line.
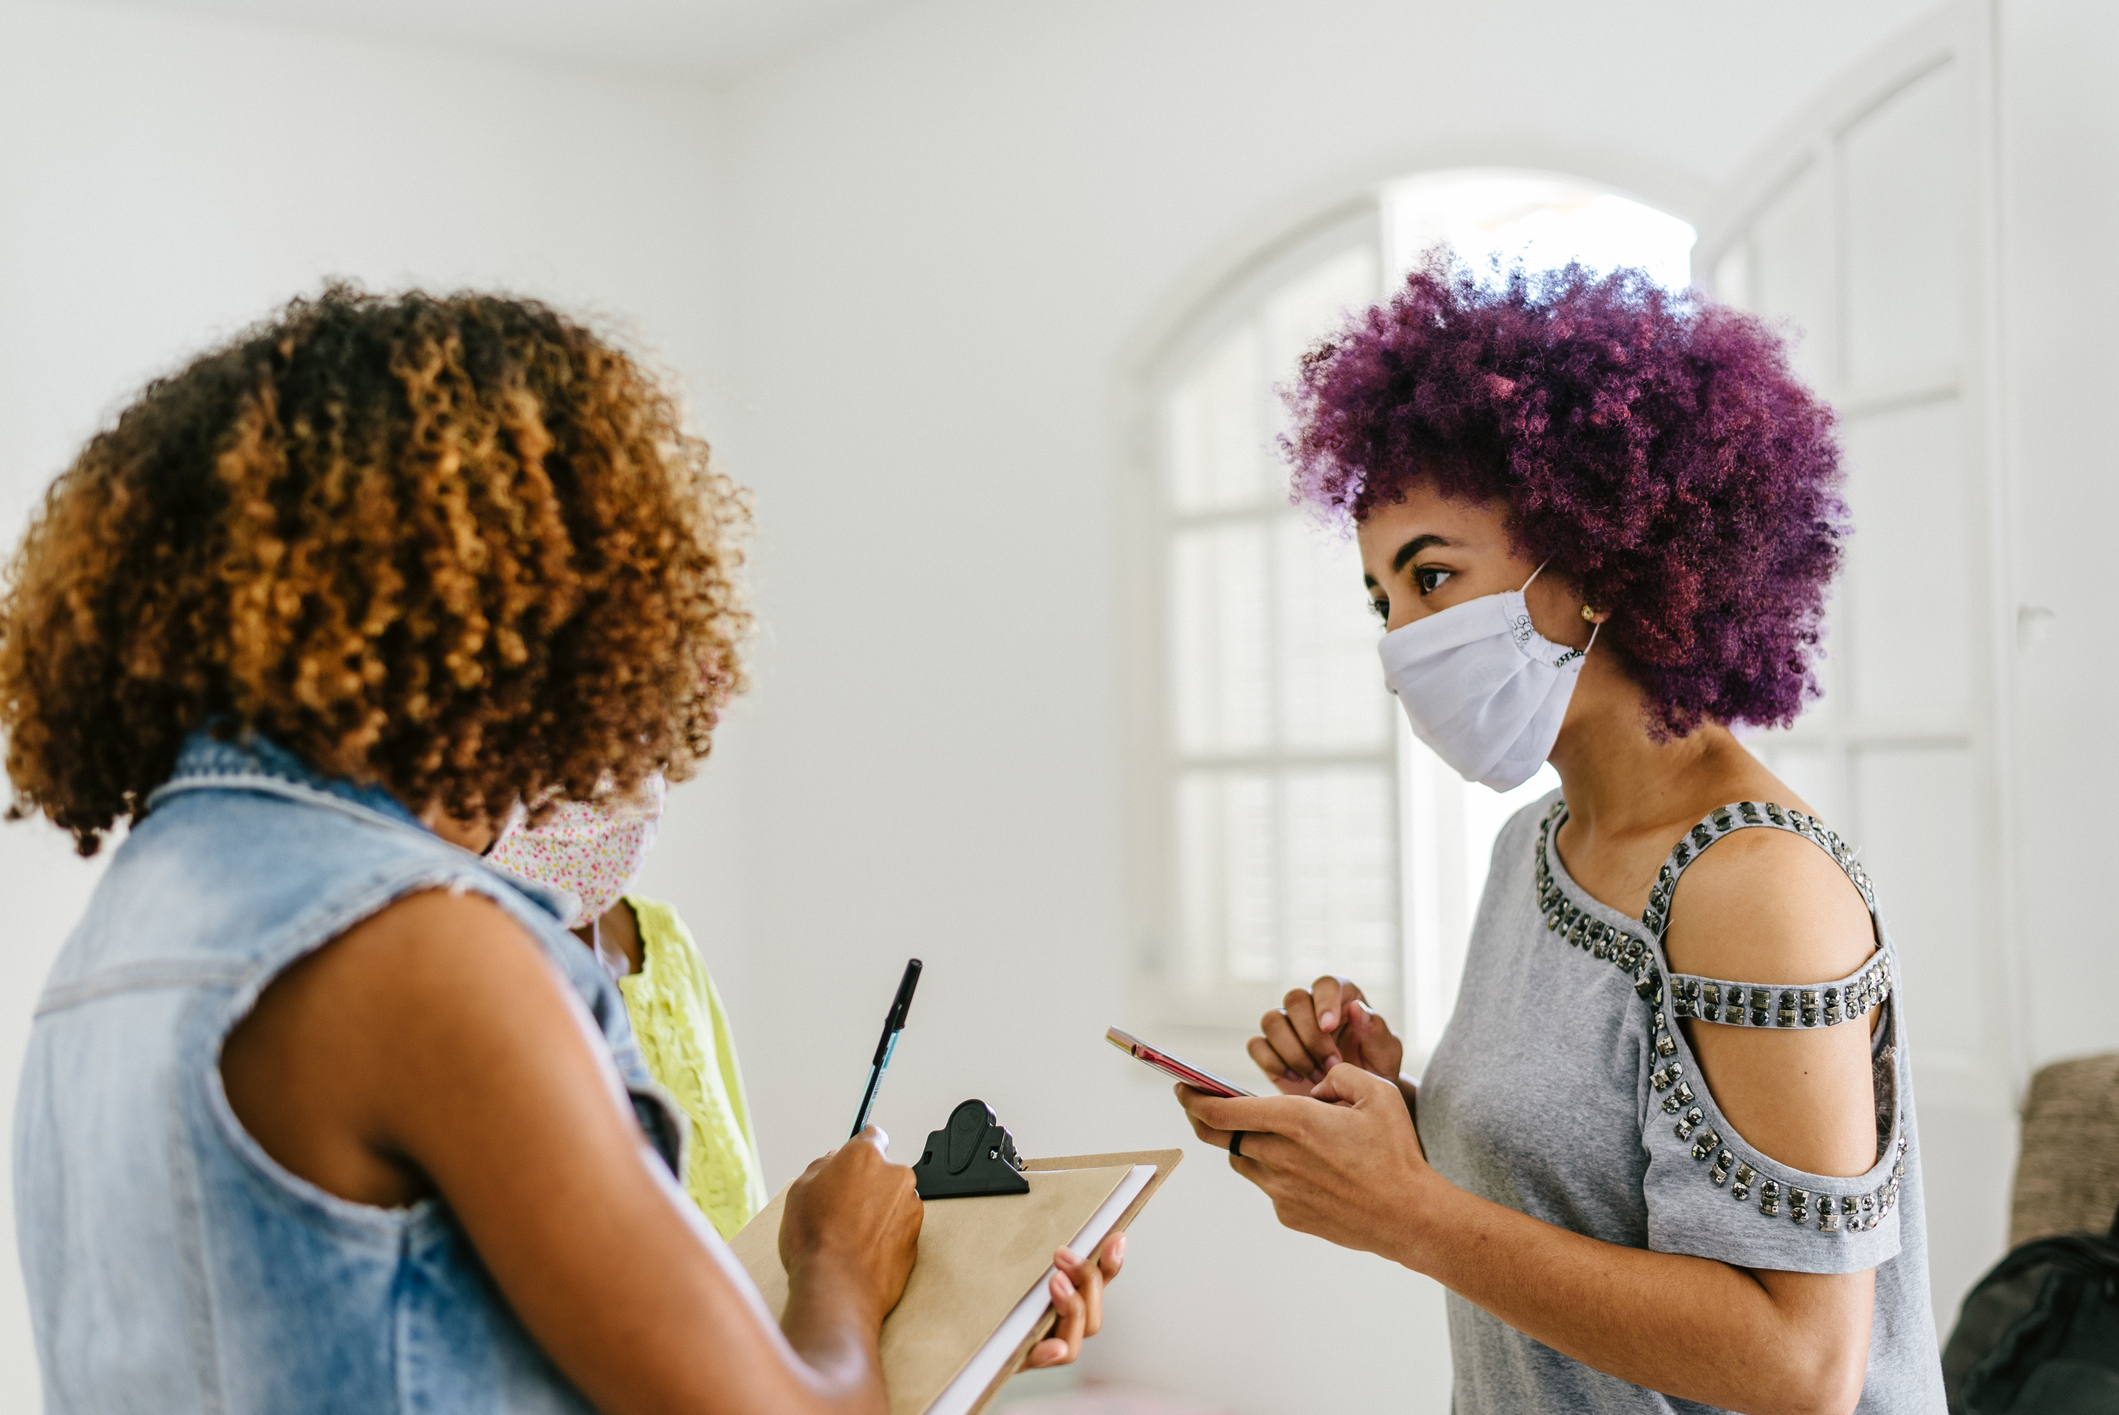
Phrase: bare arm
x=1767 y=907
x=433 y=1048
x=1689 y=1327
x=1352 y=1173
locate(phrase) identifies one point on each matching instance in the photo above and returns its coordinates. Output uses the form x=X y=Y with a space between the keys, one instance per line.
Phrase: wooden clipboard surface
x=758 y=1248
x=1163 y=1160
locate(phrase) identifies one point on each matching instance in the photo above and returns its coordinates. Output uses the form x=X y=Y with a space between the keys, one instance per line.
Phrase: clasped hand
x=1336 y=1152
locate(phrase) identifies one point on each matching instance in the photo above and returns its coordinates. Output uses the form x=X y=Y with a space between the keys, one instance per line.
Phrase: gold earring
x=1588 y=613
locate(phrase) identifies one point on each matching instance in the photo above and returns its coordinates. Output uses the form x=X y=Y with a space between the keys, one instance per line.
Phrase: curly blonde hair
x=458 y=546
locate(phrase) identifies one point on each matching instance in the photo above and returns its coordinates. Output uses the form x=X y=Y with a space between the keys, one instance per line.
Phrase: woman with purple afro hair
x=1663 y=1155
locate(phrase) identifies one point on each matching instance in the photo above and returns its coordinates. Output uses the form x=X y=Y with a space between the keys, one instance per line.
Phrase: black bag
x=2039 y=1335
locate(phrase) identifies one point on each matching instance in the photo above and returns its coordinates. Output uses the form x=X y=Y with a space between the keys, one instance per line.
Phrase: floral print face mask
x=590 y=850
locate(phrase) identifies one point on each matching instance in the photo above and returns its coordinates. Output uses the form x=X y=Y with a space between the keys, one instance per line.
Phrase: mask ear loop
x=1592 y=628
x=614 y=963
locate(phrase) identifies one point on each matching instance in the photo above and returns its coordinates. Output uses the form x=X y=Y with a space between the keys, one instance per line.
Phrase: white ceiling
x=687 y=36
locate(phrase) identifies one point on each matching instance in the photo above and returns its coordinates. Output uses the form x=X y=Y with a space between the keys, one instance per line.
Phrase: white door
x=1867 y=227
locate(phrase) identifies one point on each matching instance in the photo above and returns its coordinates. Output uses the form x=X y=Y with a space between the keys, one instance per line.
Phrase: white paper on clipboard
x=979 y=1374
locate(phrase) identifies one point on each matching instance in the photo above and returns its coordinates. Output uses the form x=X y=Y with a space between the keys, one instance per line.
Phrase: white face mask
x=1482 y=687
x=592 y=851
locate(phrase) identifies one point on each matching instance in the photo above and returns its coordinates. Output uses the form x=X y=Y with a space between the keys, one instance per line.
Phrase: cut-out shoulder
x=1586 y=923
x=1762 y=906
x=1766 y=907
x=1773 y=1080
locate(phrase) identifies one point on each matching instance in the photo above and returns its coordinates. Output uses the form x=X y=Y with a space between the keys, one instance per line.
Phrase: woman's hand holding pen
x=853 y=1220
x=1077 y=1287
x=856 y=1216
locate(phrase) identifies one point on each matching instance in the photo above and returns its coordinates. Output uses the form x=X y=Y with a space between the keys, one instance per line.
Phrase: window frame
x=1154 y=763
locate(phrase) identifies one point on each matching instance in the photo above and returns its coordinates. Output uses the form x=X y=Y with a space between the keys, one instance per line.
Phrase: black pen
x=892 y=1025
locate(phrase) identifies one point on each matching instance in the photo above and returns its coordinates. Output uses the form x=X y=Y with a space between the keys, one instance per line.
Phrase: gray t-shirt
x=1564 y=1088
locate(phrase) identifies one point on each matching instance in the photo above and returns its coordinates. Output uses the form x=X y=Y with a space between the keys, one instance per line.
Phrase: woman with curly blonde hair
x=321 y=1111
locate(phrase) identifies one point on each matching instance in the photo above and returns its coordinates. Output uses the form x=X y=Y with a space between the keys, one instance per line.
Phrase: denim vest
x=172 y=1266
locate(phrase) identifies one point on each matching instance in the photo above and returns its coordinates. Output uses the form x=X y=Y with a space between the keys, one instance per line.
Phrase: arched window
x=1285 y=822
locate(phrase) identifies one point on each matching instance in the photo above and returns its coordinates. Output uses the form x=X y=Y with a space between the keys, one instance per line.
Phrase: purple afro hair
x=1655 y=447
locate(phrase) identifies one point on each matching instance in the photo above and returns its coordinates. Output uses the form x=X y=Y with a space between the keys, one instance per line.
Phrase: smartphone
x=1196 y=1077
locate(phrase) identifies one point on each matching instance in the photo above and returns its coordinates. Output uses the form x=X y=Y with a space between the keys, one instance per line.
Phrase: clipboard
x=976 y=1302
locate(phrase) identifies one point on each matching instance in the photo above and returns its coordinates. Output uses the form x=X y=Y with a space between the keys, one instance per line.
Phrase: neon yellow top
x=685 y=1039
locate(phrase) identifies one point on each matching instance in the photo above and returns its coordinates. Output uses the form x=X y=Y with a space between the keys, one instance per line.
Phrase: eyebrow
x=1413 y=547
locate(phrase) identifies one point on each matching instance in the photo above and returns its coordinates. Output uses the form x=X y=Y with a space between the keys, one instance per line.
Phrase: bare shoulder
x=425 y=958
x=437 y=939
x=323 y=1070
x=434 y=976
x=1765 y=906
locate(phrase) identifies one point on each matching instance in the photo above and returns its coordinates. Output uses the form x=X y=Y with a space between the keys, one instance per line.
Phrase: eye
x=1382 y=608
x=1429 y=578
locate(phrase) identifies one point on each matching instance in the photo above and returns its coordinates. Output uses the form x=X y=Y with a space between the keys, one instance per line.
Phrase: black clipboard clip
x=972 y=1155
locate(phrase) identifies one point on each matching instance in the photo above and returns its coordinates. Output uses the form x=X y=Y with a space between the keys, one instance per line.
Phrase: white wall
x=906 y=270
x=953 y=231
x=2059 y=129
x=162 y=182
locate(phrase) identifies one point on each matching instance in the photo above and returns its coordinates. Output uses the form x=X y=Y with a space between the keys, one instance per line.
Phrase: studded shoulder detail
x=1766 y=1004
x=1850 y=1213
x=1627 y=952
x=1735 y=1004
x=1793 y=1005
x=1725 y=820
